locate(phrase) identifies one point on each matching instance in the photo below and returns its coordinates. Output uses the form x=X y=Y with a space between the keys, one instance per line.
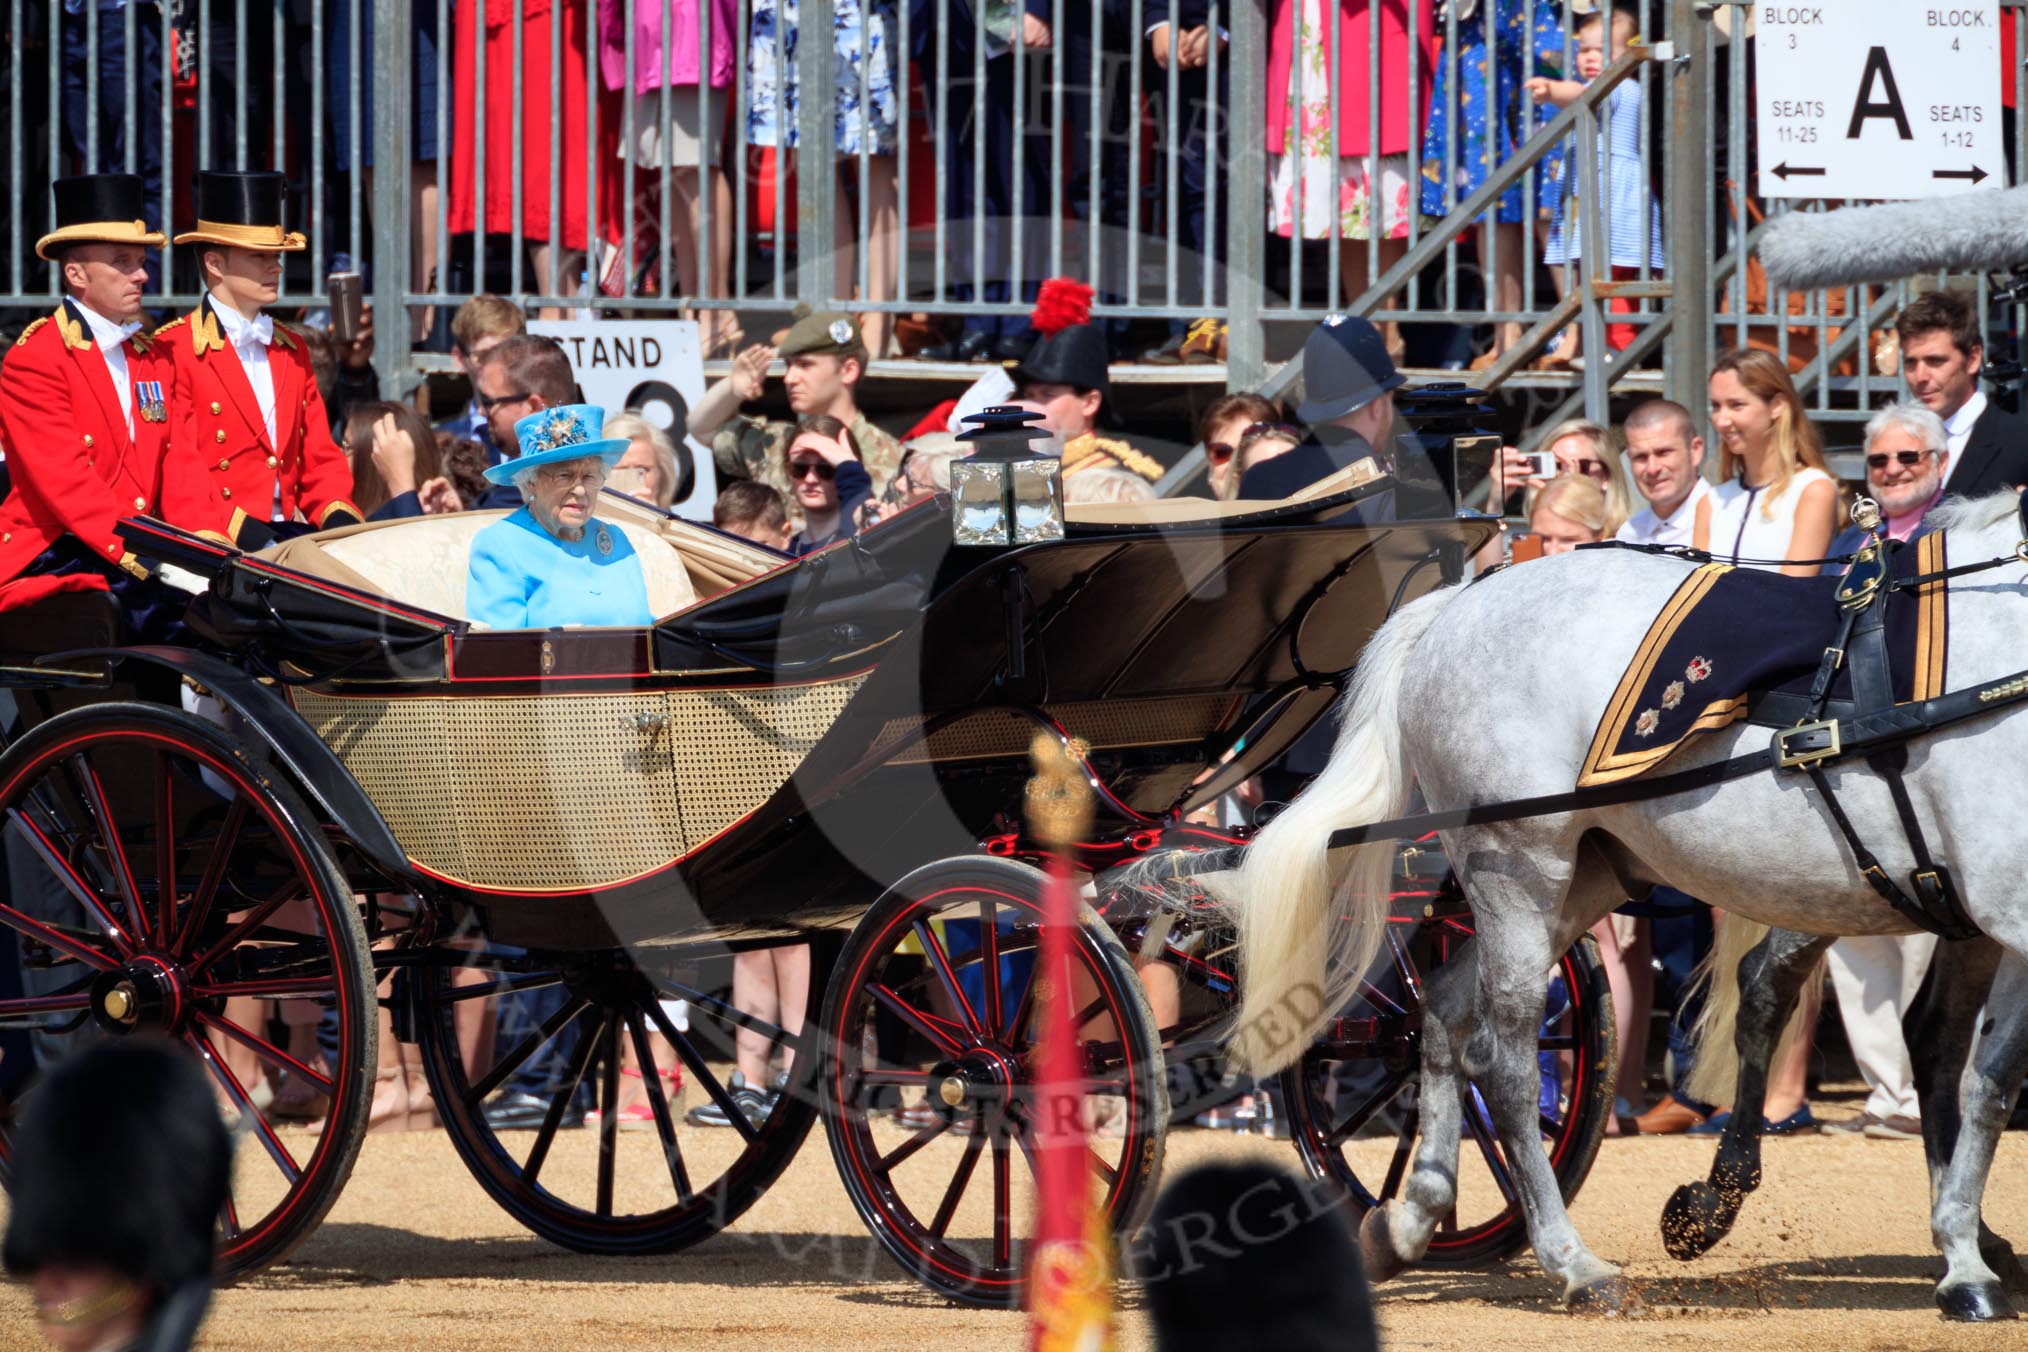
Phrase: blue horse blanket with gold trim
x=1729 y=634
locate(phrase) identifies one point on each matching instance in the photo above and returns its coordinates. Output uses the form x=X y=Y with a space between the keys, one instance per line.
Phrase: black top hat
x=241 y=209
x=1345 y=366
x=1074 y=356
x=98 y=209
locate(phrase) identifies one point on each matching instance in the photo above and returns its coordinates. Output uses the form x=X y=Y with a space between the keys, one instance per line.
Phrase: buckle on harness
x=1818 y=741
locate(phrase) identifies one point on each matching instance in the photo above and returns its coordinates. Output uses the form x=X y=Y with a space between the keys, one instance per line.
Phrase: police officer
x=250 y=451
x=84 y=407
x=826 y=359
x=1064 y=375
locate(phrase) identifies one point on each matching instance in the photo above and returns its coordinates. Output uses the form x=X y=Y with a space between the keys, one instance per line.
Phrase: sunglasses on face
x=1589 y=468
x=1910 y=459
x=487 y=403
x=812 y=469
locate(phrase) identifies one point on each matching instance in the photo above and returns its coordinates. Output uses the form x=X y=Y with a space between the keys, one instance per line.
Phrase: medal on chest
x=153 y=407
x=603 y=542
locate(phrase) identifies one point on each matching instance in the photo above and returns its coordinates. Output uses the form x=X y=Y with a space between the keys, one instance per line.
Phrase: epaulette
x=71 y=327
x=140 y=340
x=286 y=337
x=204 y=332
x=175 y=323
x=1081 y=452
x=29 y=332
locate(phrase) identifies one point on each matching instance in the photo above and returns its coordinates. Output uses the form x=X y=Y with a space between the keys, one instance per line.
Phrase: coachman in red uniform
x=250 y=451
x=85 y=413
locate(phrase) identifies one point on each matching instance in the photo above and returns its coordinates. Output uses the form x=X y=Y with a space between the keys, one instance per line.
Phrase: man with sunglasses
x=1876 y=977
x=515 y=377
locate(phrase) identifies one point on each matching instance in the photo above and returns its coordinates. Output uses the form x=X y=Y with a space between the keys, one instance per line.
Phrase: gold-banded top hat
x=244 y=209
x=98 y=209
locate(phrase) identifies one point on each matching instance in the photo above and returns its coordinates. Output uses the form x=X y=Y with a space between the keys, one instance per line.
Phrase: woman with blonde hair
x=1568 y=511
x=1776 y=500
x=1588 y=449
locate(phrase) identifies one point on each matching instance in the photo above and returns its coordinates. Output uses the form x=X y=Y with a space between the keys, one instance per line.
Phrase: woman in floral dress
x=866 y=121
x=1364 y=193
x=1476 y=125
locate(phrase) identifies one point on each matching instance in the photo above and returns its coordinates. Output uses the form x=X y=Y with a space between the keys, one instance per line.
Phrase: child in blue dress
x=1630 y=212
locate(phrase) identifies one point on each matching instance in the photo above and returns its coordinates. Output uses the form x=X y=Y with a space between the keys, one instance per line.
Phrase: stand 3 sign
x=1878 y=99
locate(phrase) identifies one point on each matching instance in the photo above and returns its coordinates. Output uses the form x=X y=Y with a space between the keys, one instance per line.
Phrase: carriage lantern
x=1005 y=493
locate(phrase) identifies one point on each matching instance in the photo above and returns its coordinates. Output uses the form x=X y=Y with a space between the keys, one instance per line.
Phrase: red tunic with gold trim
x=74 y=467
x=223 y=471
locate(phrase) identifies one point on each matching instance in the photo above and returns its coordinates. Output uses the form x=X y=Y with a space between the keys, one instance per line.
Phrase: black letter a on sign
x=1889 y=105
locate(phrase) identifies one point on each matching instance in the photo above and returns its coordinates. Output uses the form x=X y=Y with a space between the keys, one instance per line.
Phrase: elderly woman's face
x=564 y=495
x=637 y=474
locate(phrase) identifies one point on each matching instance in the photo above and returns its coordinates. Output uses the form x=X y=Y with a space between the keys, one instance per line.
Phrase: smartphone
x=1541 y=464
x=1521 y=548
x=348 y=299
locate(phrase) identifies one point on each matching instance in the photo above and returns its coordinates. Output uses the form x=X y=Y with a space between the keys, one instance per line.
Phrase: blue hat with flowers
x=566 y=432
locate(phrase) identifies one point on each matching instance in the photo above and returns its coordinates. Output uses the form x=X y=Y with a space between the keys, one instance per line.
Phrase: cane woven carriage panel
x=559 y=792
x=995 y=733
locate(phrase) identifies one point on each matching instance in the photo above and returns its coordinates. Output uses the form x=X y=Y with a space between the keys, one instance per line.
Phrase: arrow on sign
x=1784 y=171
x=1975 y=174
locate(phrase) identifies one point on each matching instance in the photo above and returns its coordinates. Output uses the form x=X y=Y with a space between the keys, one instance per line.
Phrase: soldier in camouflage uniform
x=826 y=357
x=1064 y=375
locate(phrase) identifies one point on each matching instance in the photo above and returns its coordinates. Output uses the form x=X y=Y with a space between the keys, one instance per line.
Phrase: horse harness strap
x=1861 y=647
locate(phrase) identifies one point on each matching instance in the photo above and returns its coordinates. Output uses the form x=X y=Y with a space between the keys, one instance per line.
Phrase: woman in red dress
x=558 y=247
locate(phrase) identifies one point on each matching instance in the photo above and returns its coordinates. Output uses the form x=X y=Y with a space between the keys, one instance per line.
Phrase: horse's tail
x=1714 y=1068
x=1294 y=928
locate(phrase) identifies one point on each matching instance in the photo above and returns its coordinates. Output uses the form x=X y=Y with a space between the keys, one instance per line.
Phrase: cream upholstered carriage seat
x=423 y=561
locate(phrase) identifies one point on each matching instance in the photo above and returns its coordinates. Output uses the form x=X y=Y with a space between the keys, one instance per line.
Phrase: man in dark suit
x=1942 y=354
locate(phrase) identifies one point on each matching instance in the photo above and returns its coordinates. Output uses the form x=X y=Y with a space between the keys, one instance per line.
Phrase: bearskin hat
x=122 y=1160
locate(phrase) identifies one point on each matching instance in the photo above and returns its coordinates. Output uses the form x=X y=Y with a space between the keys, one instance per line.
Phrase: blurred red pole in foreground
x=1070 y=1261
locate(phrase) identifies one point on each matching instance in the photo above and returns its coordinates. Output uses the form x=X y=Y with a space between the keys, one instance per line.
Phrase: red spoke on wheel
x=214 y=875
x=928 y=1025
x=1003 y=1203
x=701 y=1072
x=278 y=1152
x=658 y=1104
x=267 y=1051
x=989 y=962
x=228 y=1215
x=247 y=924
x=960 y=1179
x=940 y=962
x=44 y=1004
x=165 y=848
x=85 y=894
x=893 y=1158
x=101 y=812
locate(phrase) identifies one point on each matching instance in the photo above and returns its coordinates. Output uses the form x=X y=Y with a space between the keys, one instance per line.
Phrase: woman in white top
x=1776 y=501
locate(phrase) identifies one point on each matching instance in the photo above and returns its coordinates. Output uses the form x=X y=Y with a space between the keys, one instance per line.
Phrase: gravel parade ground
x=1833 y=1253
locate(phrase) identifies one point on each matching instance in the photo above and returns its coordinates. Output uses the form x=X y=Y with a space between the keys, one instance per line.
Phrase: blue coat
x=522 y=577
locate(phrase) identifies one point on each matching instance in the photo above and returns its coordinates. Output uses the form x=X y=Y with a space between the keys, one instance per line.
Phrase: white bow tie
x=129 y=329
x=261 y=330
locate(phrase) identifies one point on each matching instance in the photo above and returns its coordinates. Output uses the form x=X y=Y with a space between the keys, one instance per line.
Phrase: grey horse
x=1491 y=692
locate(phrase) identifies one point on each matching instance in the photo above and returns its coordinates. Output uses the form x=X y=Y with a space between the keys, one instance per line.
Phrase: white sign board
x=653 y=366
x=1878 y=99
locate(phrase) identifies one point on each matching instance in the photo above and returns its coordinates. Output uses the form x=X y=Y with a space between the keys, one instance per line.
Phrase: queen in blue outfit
x=553 y=562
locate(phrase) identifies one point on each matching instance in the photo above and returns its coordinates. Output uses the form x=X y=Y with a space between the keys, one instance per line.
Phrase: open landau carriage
x=347 y=796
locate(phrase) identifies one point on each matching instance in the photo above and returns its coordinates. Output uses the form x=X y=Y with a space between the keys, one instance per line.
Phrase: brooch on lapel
x=603 y=541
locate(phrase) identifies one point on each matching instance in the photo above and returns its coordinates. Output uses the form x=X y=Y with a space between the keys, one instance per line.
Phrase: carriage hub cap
x=145 y=993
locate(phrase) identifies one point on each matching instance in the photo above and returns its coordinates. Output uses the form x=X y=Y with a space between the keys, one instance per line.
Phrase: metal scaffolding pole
x=1246 y=182
x=1689 y=351
x=393 y=39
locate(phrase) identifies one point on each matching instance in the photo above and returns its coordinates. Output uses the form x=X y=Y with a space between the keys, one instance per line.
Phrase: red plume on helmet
x=1061 y=303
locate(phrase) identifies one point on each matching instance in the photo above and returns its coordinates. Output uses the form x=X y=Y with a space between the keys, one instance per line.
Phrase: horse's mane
x=1974 y=514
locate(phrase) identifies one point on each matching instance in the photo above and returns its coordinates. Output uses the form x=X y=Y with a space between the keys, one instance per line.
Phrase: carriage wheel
x=160 y=885
x=653 y=1184
x=929 y=1095
x=1352 y=1098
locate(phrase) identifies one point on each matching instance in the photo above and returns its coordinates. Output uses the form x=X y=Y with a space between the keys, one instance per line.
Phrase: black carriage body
x=772 y=758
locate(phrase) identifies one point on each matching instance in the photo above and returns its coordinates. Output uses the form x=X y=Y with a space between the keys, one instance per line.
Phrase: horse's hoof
x=1695 y=1218
x=1974 y=1302
x=1376 y=1248
x=1609 y=1297
x=2006 y=1265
